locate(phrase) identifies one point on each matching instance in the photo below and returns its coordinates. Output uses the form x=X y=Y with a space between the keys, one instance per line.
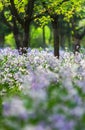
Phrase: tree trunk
x=27 y=22
x=76 y=45
x=2 y=40
x=16 y=33
x=56 y=35
x=62 y=41
x=43 y=34
x=17 y=40
x=26 y=38
x=51 y=34
x=77 y=37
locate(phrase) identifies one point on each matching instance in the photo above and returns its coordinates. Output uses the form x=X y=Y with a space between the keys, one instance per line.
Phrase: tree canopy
x=18 y=15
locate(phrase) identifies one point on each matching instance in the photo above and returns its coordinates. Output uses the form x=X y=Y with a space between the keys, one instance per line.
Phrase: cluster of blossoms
x=40 y=92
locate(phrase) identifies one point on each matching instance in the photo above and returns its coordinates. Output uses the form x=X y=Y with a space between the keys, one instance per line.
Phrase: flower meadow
x=40 y=92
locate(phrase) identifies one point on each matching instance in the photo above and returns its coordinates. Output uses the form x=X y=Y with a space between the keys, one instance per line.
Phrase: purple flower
x=15 y=108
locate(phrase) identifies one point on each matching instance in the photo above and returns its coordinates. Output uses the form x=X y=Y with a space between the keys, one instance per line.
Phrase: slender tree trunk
x=56 y=36
x=2 y=40
x=76 y=45
x=62 y=41
x=26 y=37
x=43 y=34
x=77 y=37
x=17 y=40
x=69 y=41
x=51 y=34
x=16 y=33
x=27 y=22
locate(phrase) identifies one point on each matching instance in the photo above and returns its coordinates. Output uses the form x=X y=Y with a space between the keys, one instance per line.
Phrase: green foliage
x=8 y=15
x=1 y=6
x=20 y=5
x=66 y=8
x=9 y=40
x=44 y=11
x=36 y=36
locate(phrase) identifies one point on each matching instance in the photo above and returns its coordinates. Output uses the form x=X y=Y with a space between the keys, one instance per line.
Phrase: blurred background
x=66 y=17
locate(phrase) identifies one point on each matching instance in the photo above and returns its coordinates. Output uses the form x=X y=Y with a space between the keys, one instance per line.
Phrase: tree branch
x=14 y=12
x=29 y=10
x=5 y=21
